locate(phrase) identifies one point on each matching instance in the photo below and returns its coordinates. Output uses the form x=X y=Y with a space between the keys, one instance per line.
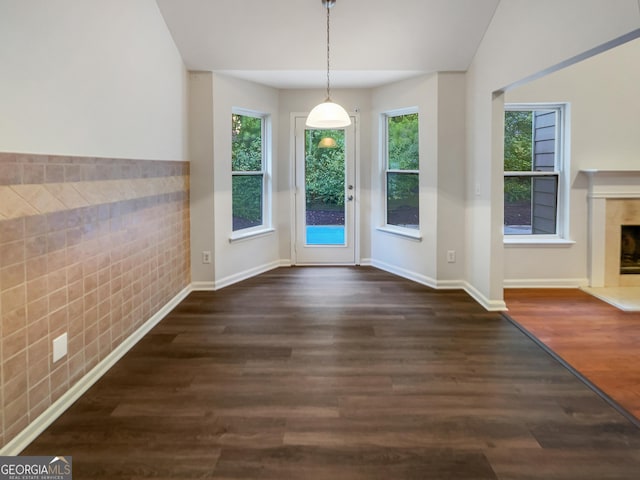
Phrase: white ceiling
x=282 y=43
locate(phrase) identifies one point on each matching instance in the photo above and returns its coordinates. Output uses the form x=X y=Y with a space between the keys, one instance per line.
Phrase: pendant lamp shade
x=328 y=114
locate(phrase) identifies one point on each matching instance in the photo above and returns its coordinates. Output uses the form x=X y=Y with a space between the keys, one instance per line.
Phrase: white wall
x=523 y=39
x=409 y=257
x=212 y=98
x=201 y=206
x=302 y=101
x=451 y=178
x=440 y=99
x=604 y=92
x=90 y=78
x=604 y=97
x=406 y=256
x=241 y=259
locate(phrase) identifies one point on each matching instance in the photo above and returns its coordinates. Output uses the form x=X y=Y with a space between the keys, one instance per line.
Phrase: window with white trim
x=534 y=166
x=402 y=169
x=249 y=170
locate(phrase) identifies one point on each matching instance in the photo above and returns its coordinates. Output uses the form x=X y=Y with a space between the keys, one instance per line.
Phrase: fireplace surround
x=614 y=202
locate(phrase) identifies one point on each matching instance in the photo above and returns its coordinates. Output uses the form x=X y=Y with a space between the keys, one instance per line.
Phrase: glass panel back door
x=325 y=195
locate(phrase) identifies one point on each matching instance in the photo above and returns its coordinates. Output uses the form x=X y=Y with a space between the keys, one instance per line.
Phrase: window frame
x=412 y=233
x=561 y=169
x=266 y=160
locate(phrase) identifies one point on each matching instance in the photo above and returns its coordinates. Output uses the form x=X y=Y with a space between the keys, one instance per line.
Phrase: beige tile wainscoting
x=91 y=247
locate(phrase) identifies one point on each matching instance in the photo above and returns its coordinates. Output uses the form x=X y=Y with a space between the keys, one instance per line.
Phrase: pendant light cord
x=328 y=54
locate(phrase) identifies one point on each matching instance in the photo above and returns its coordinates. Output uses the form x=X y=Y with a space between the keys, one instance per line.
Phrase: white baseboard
x=408 y=274
x=366 y=262
x=451 y=285
x=203 y=286
x=252 y=272
x=35 y=428
x=238 y=277
x=546 y=283
x=488 y=304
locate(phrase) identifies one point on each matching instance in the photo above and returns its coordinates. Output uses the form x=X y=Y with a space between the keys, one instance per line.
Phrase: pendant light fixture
x=328 y=114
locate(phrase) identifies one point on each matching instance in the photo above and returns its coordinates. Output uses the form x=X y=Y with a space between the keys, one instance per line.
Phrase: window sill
x=551 y=242
x=249 y=233
x=402 y=232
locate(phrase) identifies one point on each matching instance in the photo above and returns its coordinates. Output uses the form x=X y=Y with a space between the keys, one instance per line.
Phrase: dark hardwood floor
x=340 y=373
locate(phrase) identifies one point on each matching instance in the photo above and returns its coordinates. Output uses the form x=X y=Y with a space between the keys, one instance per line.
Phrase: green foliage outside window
x=246 y=143
x=325 y=170
x=404 y=154
x=403 y=150
x=246 y=156
x=247 y=201
x=402 y=131
x=518 y=154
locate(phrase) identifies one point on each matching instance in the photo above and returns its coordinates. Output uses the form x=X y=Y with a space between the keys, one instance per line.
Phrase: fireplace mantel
x=613 y=186
x=613 y=183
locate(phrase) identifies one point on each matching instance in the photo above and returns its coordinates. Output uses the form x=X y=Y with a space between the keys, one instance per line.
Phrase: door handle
x=350 y=198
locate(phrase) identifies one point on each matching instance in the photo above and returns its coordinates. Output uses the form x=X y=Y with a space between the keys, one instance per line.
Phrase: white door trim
x=355 y=117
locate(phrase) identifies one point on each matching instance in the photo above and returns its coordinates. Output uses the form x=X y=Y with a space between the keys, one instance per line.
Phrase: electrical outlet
x=451 y=256
x=59 y=347
x=206 y=257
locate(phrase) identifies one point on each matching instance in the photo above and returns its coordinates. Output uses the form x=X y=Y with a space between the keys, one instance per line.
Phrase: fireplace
x=614 y=228
x=630 y=250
